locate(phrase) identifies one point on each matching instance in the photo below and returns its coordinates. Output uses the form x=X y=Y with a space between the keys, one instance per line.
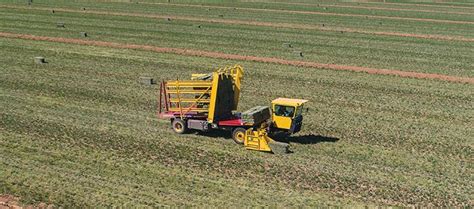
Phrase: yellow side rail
x=200 y=94
x=180 y=92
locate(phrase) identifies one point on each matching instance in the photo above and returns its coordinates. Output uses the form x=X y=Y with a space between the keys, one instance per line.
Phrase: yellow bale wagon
x=209 y=101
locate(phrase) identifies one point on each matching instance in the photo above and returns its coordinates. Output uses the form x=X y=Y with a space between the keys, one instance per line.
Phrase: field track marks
x=420 y=5
x=321 y=5
x=379 y=3
x=375 y=8
x=199 y=53
x=326 y=14
x=255 y=23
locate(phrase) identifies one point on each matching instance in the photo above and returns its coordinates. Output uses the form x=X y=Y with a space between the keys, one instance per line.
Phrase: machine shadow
x=307 y=139
x=304 y=139
x=214 y=134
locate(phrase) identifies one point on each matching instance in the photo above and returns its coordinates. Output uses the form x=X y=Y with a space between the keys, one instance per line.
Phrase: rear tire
x=179 y=126
x=238 y=135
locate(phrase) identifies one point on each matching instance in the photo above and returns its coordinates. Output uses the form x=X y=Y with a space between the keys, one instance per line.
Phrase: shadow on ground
x=214 y=134
x=307 y=139
x=304 y=139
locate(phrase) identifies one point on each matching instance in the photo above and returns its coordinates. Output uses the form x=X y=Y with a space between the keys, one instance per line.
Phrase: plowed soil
x=191 y=52
x=12 y=202
x=8 y=201
x=258 y=23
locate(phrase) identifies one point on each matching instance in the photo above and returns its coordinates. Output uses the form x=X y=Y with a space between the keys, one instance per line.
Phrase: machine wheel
x=179 y=126
x=238 y=135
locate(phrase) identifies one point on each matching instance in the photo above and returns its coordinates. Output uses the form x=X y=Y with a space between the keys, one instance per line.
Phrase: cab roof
x=289 y=102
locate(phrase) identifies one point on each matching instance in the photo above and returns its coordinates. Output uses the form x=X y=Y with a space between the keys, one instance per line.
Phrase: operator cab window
x=286 y=111
x=299 y=110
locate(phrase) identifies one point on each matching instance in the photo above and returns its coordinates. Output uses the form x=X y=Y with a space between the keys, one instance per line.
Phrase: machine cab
x=287 y=114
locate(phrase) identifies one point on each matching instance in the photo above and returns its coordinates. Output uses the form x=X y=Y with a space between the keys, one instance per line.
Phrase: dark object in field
x=287 y=45
x=52 y=11
x=323 y=25
x=256 y=114
x=29 y=2
x=221 y=15
x=342 y=31
x=83 y=8
x=40 y=60
x=308 y=139
x=147 y=80
x=299 y=53
x=84 y=34
x=60 y=25
x=199 y=26
x=169 y=19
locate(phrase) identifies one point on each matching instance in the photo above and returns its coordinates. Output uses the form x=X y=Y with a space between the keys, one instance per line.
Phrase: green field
x=81 y=131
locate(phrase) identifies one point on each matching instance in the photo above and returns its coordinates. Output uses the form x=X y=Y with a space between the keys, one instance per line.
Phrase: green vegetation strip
x=254 y=23
x=323 y=13
x=351 y=49
x=243 y=58
x=81 y=130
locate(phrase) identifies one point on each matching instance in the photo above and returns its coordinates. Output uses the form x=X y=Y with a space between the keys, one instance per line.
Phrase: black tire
x=238 y=135
x=179 y=126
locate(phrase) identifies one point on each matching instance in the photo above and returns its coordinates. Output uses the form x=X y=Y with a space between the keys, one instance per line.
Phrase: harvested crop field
x=390 y=114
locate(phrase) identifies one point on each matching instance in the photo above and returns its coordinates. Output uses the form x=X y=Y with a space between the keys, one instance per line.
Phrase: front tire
x=179 y=126
x=238 y=135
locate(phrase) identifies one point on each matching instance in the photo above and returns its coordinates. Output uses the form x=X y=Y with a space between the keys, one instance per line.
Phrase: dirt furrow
x=199 y=53
x=255 y=23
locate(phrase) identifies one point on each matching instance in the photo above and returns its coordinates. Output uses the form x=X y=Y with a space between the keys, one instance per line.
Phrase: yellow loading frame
x=193 y=97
